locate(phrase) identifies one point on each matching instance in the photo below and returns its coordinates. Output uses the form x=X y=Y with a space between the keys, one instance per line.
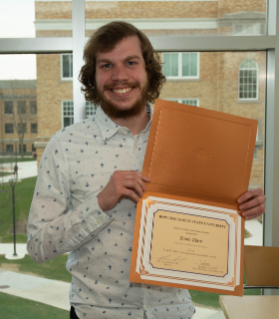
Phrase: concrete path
x=25 y=170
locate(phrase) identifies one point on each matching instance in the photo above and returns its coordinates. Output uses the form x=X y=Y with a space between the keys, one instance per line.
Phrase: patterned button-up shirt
x=65 y=217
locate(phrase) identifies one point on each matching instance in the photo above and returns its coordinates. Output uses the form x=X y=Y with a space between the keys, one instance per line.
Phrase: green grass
x=19 y=159
x=5 y=174
x=23 y=197
x=12 y=307
x=208 y=299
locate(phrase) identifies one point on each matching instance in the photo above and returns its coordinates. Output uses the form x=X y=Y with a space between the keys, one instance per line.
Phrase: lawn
x=23 y=197
x=55 y=269
x=19 y=159
x=19 y=308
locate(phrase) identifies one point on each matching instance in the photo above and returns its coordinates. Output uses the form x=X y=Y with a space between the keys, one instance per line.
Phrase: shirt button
x=122 y=130
x=135 y=146
x=98 y=221
x=145 y=307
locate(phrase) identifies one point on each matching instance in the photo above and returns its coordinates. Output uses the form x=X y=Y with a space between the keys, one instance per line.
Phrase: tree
x=17 y=104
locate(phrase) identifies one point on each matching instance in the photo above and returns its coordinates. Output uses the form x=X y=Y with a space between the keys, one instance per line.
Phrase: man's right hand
x=122 y=184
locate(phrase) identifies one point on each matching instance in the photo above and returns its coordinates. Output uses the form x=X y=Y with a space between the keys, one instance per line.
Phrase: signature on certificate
x=168 y=257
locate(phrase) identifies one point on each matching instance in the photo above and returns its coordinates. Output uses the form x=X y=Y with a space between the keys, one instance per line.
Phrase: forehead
x=126 y=47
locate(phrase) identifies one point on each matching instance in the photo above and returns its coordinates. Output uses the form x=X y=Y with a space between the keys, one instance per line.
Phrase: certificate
x=188 y=231
x=189 y=244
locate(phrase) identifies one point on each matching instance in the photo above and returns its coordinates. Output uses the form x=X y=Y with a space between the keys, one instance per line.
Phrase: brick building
x=18 y=115
x=223 y=81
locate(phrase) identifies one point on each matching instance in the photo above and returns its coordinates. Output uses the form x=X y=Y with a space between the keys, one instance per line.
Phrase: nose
x=120 y=73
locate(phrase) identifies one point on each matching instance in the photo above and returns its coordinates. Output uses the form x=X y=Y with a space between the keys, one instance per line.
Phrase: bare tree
x=18 y=95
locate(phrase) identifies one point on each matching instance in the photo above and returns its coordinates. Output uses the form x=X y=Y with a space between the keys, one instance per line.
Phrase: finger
x=252 y=203
x=134 y=185
x=256 y=211
x=250 y=194
x=129 y=193
x=139 y=176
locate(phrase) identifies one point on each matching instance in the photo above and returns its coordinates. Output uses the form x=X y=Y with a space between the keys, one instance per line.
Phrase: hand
x=252 y=203
x=122 y=184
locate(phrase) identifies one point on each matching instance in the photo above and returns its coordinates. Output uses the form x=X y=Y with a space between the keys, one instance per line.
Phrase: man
x=89 y=183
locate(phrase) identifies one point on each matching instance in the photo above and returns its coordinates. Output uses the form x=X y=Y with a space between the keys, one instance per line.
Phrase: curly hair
x=104 y=40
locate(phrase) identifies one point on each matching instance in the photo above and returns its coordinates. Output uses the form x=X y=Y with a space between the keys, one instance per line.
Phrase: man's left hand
x=252 y=203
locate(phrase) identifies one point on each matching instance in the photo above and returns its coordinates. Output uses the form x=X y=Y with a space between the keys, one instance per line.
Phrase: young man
x=89 y=183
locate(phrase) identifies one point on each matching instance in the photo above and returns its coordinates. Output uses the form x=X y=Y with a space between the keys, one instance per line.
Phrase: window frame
x=61 y=67
x=36 y=128
x=62 y=112
x=12 y=126
x=180 y=66
x=257 y=77
x=12 y=108
x=268 y=43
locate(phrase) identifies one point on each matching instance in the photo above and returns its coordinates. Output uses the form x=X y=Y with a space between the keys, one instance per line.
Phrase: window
x=194 y=102
x=181 y=65
x=248 y=80
x=9 y=109
x=21 y=127
x=67 y=66
x=90 y=109
x=33 y=148
x=34 y=128
x=9 y=128
x=249 y=29
x=24 y=148
x=9 y=148
x=21 y=107
x=33 y=107
x=68 y=113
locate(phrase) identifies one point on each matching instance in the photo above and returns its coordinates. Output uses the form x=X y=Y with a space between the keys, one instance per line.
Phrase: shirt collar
x=108 y=128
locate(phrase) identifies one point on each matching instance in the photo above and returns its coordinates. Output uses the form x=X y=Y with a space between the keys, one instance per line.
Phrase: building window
x=248 y=80
x=33 y=107
x=68 y=113
x=90 y=109
x=9 y=148
x=9 y=128
x=181 y=65
x=24 y=148
x=67 y=66
x=249 y=29
x=34 y=128
x=9 y=108
x=33 y=148
x=21 y=127
x=194 y=102
x=21 y=107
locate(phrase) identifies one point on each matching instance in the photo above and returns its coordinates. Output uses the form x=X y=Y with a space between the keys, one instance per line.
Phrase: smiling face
x=122 y=80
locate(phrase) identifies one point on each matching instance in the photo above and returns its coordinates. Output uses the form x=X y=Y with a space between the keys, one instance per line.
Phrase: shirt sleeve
x=55 y=228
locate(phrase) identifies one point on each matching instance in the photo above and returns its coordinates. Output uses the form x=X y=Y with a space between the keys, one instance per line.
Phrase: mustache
x=124 y=84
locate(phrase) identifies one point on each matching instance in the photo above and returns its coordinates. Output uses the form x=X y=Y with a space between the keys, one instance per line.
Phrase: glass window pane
x=36 y=18
x=169 y=18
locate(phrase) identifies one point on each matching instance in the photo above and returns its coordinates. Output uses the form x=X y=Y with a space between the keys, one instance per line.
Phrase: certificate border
x=188 y=271
x=143 y=272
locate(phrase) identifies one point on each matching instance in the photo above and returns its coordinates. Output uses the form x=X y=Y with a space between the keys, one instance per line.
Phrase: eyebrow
x=130 y=57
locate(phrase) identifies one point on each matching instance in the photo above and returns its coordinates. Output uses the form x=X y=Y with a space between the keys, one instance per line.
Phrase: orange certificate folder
x=188 y=230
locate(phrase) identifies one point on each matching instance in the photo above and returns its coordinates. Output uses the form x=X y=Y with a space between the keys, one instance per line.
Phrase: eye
x=131 y=63
x=105 y=66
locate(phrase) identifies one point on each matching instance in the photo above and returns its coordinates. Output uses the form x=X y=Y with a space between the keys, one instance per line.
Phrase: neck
x=135 y=123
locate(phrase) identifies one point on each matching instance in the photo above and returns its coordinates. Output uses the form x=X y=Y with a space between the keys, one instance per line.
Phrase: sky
x=17 y=21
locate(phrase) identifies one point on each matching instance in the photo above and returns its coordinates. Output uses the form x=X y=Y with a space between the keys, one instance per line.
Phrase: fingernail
x=241 y=207
x=239 y=200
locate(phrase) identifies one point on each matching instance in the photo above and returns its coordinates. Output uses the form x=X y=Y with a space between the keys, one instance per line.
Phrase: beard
x=113 y=111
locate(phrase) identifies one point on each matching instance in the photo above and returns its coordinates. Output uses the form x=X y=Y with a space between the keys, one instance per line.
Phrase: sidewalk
x=25 y=170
